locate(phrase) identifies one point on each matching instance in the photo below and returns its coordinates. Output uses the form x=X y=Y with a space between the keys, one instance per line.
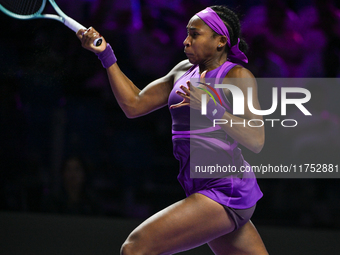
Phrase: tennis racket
x=32 y=9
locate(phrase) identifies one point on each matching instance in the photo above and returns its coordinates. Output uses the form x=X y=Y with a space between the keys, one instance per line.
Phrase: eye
x=192 y=33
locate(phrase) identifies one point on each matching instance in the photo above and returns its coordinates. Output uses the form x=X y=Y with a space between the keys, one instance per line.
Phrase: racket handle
x=75 y=26
x=72 y=24
x=98 y=41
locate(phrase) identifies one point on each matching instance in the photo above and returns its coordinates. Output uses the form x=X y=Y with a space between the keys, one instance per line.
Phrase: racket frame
x=69 y=22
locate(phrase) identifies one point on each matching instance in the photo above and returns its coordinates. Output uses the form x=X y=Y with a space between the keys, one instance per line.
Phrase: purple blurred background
x=66 y=147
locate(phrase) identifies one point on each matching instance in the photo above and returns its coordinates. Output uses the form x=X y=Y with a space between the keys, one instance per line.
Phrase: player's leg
x=244 y=241
x=186 y=224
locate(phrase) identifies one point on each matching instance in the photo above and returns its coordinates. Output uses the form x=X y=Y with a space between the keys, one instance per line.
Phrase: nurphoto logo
x=239 y=102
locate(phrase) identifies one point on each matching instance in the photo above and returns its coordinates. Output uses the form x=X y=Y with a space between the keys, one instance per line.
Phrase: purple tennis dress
x=192 y=140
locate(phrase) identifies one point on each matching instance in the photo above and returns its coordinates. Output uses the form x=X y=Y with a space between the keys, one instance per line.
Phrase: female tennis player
x=216 y=211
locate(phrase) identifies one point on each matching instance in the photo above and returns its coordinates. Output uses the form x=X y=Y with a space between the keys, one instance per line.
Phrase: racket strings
x=22 y=7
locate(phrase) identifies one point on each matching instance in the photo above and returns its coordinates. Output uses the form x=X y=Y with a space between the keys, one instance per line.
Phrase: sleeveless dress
x=193 y=139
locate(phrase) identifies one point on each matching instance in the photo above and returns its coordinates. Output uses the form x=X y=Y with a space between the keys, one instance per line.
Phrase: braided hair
x=232 y=22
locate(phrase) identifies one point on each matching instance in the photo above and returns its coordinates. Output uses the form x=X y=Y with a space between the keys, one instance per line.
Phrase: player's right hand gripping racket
x=32 y=9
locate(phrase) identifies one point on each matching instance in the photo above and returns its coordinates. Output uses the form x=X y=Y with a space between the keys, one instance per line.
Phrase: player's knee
x=127 y=249
x=130 y=248
x=135 y=246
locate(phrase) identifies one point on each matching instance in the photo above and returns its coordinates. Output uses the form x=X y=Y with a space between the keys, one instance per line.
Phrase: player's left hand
x=191 y=95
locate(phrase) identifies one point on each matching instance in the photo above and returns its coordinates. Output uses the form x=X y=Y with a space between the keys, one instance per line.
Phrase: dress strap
x=221 y=74
x=224 y=70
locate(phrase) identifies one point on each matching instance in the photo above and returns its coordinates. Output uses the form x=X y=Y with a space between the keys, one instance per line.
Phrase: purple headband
x=210 y=17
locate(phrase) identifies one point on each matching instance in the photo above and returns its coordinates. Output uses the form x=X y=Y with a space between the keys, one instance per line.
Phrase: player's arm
x=250 y=137
x=133 y=101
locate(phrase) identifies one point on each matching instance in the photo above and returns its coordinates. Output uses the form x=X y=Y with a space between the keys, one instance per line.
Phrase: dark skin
x=179 y=227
